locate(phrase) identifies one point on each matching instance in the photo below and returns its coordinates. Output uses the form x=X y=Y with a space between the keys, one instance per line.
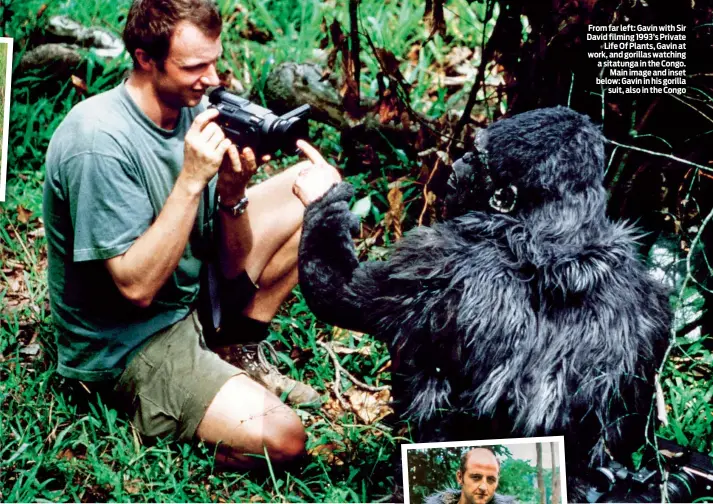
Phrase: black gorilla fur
x=540 y=321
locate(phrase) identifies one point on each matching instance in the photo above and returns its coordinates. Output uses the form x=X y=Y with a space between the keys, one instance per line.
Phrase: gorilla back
x=526 y=314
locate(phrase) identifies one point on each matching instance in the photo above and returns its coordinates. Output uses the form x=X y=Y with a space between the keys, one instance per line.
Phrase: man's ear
x=459 y=477
x=145 y=61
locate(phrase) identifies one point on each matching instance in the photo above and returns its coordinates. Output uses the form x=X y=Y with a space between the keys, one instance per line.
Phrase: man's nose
x=210 y=77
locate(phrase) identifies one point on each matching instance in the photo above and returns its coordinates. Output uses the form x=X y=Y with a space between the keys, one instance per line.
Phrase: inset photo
x=496 y=471
x=5 y=79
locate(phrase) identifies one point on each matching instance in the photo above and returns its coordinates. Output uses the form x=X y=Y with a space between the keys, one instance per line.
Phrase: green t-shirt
x=109 y=172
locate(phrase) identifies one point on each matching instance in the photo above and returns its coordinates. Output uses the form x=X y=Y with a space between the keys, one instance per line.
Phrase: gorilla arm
x=404 y=301
x=337 y=288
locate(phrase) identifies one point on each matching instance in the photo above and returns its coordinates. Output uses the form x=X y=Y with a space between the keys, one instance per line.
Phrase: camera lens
x=288 y=132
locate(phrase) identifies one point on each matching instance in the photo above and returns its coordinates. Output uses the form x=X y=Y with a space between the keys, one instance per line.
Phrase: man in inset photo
x=478 y=477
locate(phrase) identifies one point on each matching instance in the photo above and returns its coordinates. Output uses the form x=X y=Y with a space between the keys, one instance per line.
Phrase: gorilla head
x=519 y=163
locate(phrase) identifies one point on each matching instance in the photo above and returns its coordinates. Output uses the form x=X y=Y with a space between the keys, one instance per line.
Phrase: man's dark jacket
x=452 y=496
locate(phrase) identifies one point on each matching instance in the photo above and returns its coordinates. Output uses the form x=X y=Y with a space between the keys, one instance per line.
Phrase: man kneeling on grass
x=130 y=209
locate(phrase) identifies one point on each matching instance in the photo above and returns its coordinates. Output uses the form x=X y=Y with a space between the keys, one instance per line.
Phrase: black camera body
x=690 y=477
x=249 y=125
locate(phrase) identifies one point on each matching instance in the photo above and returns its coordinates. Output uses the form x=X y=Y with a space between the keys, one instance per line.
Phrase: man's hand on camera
x=205 y=148
x=234 y=174
x=315 y=177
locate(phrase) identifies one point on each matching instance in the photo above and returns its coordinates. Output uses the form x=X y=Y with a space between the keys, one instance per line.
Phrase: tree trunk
x=540 y=474
x=555 y=478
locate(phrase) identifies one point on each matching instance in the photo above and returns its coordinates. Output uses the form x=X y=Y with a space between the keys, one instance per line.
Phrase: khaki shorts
x=169 y=383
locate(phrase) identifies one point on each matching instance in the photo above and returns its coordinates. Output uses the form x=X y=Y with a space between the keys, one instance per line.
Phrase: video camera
x=249 y=125
x=690 y=477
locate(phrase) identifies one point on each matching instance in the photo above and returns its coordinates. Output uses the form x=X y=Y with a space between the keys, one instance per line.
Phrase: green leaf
x=362 y=207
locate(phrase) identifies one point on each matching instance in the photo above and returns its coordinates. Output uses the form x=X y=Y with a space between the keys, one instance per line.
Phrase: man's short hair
x=464 y=457
x=151 y=23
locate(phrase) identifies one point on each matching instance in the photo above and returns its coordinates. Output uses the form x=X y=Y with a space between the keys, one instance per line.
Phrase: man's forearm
x=236 y=242
x=142 y=270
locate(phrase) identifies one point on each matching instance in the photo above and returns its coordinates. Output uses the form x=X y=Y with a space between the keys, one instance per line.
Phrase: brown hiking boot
x=252 y=358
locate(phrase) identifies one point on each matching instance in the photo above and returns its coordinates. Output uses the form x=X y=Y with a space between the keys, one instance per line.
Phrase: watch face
x=239 y=209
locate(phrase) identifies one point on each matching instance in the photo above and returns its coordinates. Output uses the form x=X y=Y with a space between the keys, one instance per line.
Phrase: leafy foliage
x=519 y=478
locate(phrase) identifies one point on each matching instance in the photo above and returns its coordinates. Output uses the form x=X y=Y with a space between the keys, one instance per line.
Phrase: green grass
x=50 y=449
x=53 y=451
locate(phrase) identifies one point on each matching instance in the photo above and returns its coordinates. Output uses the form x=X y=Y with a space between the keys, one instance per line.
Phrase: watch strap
x=234 y=210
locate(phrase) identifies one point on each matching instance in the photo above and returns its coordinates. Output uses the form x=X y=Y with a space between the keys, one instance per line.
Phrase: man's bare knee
x=286 y=442
x=244 y=419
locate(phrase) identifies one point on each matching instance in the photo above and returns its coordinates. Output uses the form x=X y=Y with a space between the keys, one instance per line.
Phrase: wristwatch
x=236 y=210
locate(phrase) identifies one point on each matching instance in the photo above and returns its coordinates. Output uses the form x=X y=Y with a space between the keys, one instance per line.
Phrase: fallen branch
x=338 y=368
x=65 y=41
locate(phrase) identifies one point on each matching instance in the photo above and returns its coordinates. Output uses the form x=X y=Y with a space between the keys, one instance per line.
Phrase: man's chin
x=178 y=101
x=195 y=97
